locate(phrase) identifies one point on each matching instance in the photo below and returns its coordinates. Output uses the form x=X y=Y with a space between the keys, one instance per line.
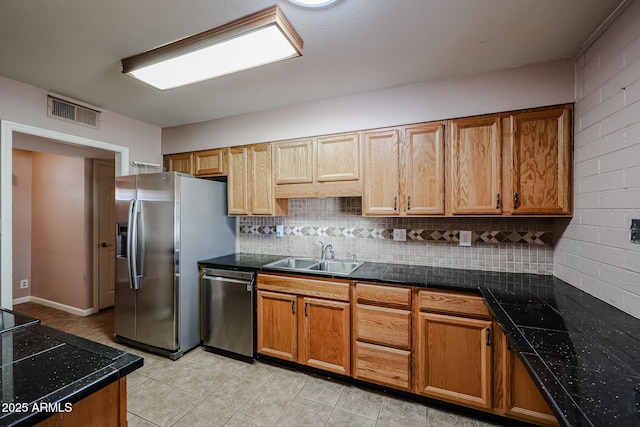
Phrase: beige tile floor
x=206 y=389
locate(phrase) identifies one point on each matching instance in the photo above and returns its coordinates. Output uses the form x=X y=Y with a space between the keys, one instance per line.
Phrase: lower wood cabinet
x=440 y=344
x=277 y=325
x=105 y=407
x=517 y=395
x=324 y=338
x=382 y=335
x=454 y=359
x=298 y=322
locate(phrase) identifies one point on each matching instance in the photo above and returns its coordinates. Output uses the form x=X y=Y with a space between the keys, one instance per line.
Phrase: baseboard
x=21 y=300
x=56 y=305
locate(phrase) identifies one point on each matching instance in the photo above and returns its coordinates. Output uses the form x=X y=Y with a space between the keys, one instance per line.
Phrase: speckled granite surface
x=44 y=365
x=583 y=354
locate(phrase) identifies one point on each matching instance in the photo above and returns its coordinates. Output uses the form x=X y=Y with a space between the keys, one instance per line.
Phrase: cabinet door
x=277 y=325
x=338 y=158
x=237 y=182
x=454 y=359
x=381 y=176
x=422 y=160
x=293 y=162
x=541 y=150
x=325 y=338
x=523 y=400
x=474 y=166
x=182 y=162
x=210 y=162
x=261 y=183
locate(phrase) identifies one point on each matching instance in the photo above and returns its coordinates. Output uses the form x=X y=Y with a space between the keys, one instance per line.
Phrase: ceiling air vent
x=69 y=112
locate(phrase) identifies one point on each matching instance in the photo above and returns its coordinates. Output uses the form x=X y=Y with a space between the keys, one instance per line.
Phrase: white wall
x=25 y=104
x=515 y=88
x=594 y=253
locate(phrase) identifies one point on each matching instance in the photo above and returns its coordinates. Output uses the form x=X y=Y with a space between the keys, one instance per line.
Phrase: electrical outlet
x=24 y=283
x=400 y=234
x=279 y=230
x=465 y=238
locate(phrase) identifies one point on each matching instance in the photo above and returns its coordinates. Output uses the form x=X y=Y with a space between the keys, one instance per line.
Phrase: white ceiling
x=74 y=47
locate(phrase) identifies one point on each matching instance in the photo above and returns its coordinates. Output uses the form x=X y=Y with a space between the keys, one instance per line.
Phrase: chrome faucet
x=323 y=252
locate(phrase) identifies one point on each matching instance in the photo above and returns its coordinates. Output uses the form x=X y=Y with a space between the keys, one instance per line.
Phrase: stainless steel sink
x=336 y=267
x=293 y=263
x=311 y=265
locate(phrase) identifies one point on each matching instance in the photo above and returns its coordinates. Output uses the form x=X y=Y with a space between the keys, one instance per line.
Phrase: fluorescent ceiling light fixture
x=312 y=3
x=258 y=39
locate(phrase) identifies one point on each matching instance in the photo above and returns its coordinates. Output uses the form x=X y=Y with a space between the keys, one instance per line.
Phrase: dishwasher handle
x=225 y=279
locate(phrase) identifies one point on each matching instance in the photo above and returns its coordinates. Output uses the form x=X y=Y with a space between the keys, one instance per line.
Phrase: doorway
x=7 y=132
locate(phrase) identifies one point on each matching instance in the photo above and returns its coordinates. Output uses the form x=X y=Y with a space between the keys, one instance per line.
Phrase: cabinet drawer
x=382 y=365
x=381 y=325
x=453 y=303
x=322 y=288
x=380 y=294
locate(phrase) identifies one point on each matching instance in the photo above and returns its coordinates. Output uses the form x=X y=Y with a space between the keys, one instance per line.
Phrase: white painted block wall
x=594 y=253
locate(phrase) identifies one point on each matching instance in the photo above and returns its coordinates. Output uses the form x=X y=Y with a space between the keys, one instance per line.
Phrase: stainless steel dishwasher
x=227 y=311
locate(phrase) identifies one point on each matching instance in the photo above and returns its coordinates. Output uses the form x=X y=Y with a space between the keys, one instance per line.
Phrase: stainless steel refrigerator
x=166 y=223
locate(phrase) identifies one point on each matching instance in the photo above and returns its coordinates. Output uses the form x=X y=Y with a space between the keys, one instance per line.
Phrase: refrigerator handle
x=134 y=278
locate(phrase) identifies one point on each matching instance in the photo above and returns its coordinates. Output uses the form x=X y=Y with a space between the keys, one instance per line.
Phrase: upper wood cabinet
x=207 y=163
x=338 y=158
x=293 y=161
x=210 y=162
x=422 y=166
x=327 y=166
x=180 y=162
x=475 y=168
x=404 y=171
x=381 y=172
x=250 y=182
x=515 y=163
x=539 y=145
x=238 y=182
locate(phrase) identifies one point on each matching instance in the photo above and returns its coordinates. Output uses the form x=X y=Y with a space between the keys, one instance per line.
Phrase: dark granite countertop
x=44 y=365
x=583 y=353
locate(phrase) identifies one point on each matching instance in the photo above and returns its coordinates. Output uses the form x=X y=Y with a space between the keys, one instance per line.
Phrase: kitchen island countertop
x=583 y=353
x=43 y=369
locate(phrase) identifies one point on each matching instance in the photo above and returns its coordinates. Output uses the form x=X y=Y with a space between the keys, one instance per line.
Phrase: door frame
x=7 y=128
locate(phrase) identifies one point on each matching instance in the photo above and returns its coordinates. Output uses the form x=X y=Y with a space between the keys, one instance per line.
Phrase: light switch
x=400 y=234
x=465 y=238
x=634 y=232
x=279 y=230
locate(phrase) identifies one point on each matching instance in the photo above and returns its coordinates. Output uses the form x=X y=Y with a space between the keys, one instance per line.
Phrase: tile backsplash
x=498 y=244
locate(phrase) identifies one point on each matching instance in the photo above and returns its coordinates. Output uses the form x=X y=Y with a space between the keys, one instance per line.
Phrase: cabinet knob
x=395 y=203
x=409 y=203
x=516 y=200
x=497 y=200
x=293 y=307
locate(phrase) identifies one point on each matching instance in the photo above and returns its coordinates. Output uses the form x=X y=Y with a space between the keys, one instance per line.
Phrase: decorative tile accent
x=518 y=245
x=496 y=237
